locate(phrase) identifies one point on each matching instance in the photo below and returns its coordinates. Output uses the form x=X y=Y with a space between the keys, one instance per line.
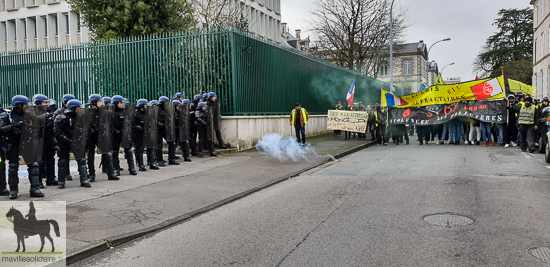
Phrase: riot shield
x=210 y=124
x=81 y=125
x=218 y=115
x=105 y=129
x=170 y=110
x=150 y=130
x=128 y=125
x=32 y=133
x=185 y=132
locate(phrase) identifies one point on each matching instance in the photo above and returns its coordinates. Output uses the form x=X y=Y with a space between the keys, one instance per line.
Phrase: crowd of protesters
x=521 y=128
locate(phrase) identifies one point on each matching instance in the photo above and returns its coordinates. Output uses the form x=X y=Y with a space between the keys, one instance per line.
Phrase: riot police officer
x=95 y=101
x=186 y=129
x=66 y=99
x=139 y=127
x=47 y=165
x=119 y=118
x=106 y=100
x=201 y=121
x=162 y=136
x=213 y=102
x=3 y=183
x=11 y=129
x=64 y=133
x=179 y=97
x=193 y=142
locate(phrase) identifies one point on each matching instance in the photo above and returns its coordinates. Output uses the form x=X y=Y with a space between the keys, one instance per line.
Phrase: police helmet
x=163 y=99
x=19 y=100
x=53 y=102
x=142 y=103
x=197 y=97
x=68 y=97
x=511 y=97
x=186 y=101
x=38 y=99
x=72 y=105
x=176 y=102
x=545 y=99
x=520 y=93
x=125 y=100
x=92 y=99
x=178 y=95
x=153 y=103
x=205 y=96
x=117 y=99
x=201 y=104
x=211 y=94
x=106 y=100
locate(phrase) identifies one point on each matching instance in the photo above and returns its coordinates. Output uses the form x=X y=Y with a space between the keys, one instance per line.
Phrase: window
x=78 y=23
x=383 y=70
x=56 y=26
x=25 y=28
x=407 y=67
x=67 y=23
x=535 y=53
x=45 y=27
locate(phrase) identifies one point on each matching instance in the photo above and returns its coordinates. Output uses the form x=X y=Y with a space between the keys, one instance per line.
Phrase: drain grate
x=541 y=253
x=448 y=219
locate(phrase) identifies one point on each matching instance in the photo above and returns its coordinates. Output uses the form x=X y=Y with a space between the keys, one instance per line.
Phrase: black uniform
x=193 y=141
x=139 y=127
x=3 y=183
x=161 y=126
x=218 y=132
x=118 y=124
x=11 y=130
x=106 y=159
x=63 y=131
x=47 y=166
x=201 y=118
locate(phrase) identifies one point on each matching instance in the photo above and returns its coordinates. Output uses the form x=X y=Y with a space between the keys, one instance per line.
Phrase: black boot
x=63 y=169
x=139 y=159
x=172 y=154
x=82 y=172
x=130 y=161
x=108 y=162
x=220 y=141
x=34 y=179
x=185 y=151
x=151 y=159
x=116 y=162
x=13 y=179
x=212 y=151
x=193 y=146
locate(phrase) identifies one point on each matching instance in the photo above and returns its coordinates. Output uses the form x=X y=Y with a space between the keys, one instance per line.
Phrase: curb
x=110 y=242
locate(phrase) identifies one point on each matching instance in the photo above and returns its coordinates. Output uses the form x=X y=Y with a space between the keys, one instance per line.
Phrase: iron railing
x=251 y=75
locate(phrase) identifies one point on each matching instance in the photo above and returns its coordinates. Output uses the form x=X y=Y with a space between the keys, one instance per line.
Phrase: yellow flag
x=487 y=89
x=516 y=87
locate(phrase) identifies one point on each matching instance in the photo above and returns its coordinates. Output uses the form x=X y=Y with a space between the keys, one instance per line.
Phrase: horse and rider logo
x=27 y=226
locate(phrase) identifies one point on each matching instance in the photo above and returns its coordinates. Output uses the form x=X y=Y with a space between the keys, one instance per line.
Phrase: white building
x=541 y=49
x=32 y=24
x=264 y=17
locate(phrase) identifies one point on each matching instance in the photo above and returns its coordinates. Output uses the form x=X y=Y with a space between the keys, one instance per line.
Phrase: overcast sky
x=467 y=22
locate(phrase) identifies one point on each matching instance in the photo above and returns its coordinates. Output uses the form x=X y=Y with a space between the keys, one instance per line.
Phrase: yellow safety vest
x=527 y=115
x=303 y=115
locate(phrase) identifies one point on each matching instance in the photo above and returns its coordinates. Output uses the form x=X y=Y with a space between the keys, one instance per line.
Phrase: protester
x=475 y=126
x=299 y=122
x=527 y=120
x=338 y=106
x=486 y=133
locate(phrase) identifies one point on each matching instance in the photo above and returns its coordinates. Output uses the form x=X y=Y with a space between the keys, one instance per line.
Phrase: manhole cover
x=542 y=253
x=448 y=220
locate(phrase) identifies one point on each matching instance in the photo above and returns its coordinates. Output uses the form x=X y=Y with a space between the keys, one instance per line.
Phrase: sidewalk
x=113 y=212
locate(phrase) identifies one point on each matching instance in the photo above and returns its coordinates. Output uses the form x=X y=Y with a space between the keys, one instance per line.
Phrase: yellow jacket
x=305 y=117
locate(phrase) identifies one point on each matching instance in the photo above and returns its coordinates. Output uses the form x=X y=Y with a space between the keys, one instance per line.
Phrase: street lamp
x=428 y=58
x=441 y=72
x=391 y=46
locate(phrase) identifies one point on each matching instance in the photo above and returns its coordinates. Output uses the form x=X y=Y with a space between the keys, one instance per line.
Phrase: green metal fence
x=251 y=76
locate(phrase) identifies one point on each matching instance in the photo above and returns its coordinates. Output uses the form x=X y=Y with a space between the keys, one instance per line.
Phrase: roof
x=410 y=48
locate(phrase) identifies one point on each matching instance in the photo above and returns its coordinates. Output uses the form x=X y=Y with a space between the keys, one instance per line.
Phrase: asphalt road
x=366 y=211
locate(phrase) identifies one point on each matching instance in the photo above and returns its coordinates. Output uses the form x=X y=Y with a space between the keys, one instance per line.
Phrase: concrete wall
x=244 y=132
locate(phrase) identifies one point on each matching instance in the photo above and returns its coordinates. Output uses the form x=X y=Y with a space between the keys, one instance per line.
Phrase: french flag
x=351 y=92
x=392 y=101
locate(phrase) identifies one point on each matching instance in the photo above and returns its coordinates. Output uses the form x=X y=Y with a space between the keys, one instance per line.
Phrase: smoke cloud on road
x=285 y=149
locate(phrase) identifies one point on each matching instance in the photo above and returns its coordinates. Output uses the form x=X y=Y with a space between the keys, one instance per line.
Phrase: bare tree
x=213 y=13
x=355 y=34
